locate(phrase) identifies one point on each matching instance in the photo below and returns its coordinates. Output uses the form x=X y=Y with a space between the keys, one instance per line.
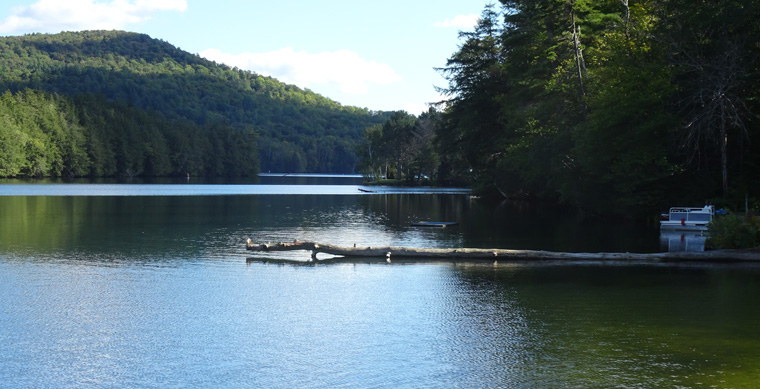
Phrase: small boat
x=687 y=219
x=434 y=224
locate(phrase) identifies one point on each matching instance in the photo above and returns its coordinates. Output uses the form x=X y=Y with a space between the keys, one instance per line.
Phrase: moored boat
x=688 y=219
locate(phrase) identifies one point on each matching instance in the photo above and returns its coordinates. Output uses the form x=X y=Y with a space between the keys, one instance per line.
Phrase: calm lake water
x=148 y=284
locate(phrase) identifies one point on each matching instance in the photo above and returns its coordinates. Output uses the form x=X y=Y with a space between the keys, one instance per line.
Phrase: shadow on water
x=541 y=226
x=161 y=226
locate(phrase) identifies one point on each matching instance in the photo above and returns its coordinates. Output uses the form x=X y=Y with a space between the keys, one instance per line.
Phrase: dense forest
x=613 y=106
x=111 y=103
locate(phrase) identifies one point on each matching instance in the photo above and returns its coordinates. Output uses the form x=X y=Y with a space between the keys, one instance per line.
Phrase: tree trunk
x=723 y=146
x=579 y=64
x=389 y=252
x=627 y=15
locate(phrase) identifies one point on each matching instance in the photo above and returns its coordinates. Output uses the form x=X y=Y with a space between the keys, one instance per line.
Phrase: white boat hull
x=678 y=226
x=688 y=219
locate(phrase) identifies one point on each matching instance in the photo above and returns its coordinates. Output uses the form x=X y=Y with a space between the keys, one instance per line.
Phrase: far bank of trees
x=46 y=135
x=402 y=148
x=607 y=105
x=144 y=107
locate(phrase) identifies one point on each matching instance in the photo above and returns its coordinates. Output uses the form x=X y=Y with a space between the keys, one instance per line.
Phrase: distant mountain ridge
x=296 y=130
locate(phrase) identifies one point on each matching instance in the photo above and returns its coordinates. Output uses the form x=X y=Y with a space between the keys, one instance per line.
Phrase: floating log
x=503 y=254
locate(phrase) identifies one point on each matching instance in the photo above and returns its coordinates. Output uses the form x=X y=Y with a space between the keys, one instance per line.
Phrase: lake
x=148 y=284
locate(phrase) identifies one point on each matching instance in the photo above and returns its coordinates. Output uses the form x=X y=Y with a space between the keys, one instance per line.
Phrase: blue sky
x=378 y=55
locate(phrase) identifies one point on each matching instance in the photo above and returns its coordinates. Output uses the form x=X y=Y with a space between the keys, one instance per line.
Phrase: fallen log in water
x=389 y=252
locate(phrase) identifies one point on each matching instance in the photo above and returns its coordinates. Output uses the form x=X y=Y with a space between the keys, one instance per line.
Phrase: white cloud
x=460 y=21
x=75 y=15
x=418 y=108
x=343 y=68
x=415 y=108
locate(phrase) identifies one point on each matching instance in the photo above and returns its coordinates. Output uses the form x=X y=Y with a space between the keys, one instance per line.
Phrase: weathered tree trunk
x=723 y=149
x=627 y=15
x=389 y=252
x=580 y=63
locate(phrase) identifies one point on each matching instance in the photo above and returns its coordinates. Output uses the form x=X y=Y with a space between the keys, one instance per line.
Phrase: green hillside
x=108 y=103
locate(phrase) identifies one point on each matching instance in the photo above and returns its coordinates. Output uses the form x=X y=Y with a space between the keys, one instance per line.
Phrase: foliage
x=470 y=137
x=402 y=148
x=40 y=136
x=734 y=232
x=165 y=90
x=48 y=135
x=607 y=105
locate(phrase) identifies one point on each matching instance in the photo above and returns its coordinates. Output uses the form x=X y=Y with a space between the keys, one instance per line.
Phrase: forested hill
x=129 y=104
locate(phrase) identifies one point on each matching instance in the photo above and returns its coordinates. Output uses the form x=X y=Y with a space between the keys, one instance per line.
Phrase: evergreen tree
x=581 y=101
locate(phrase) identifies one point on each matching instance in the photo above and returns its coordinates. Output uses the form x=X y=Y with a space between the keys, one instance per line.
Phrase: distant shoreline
x=318 y=175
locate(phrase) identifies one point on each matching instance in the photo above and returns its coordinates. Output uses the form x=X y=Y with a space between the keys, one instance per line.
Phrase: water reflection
x=447 y=325
x=487 y=335
x=677 y=241
x=141 y=226
x=262 y=179
x=154 y=291
x=627 y=326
